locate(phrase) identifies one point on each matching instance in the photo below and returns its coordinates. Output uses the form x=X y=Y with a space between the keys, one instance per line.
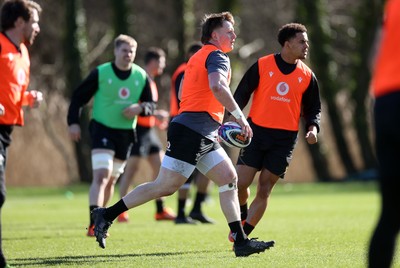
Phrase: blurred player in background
x=284 y=89
x=121 y=91
x=148 y=145
x=386 y=89
x=19 y=27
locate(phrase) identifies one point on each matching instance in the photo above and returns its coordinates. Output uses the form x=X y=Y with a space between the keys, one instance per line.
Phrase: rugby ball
x=230 y=133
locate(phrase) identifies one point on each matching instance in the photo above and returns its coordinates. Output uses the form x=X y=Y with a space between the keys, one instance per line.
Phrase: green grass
x=314 y=225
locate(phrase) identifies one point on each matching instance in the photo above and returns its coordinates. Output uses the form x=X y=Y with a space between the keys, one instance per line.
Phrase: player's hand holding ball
x=231 y=134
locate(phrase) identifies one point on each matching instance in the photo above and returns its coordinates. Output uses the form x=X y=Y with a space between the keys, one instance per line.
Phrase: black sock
x=181 y=208
x=247 y=228
x=237 y=232
x=200 y=197
x=113 y=211
x=159 y=206
x=90 y=213
x=243 y=212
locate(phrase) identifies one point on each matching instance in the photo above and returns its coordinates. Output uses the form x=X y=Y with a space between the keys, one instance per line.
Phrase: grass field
x=314 y=225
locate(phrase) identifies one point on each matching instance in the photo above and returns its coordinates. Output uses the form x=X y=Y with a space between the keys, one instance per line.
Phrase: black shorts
x=270 y=148
x=187 y=145
x=117 y=140
x=147 y=142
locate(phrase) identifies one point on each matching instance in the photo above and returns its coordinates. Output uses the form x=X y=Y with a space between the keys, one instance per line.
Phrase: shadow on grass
x=91 y=260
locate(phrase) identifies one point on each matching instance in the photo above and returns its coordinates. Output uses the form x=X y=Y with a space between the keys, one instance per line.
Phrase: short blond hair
x=124 y=39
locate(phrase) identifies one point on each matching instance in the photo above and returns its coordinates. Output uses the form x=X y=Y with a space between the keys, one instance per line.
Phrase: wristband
x=237 y=113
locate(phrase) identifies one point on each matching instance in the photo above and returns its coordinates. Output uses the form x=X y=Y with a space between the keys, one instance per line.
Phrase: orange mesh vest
x=277 y=100
x=196 y=93
x=14 y=80
x=149 y=121
x=386 y=78
x=173 y=101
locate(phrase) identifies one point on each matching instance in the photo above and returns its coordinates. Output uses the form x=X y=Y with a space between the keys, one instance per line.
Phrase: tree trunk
x=361 y=73
x=231 y=6
x=120 y=11
x=180 y=31
x=74 y=66
x=310 y=11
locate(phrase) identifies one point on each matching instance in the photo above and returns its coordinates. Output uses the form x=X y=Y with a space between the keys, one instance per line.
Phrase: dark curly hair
x=288 y=31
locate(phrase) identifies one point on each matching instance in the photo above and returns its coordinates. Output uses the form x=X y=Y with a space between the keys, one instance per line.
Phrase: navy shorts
x=187 y=145
x=270 y=148
x=147 y=142
x=117 y=140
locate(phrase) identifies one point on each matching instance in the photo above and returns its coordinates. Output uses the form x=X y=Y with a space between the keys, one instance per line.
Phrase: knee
x=228 y=185
x=101 y=177
x=111 y=182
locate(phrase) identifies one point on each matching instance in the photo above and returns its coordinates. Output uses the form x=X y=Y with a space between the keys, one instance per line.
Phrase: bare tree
x=312 y=13
x=75 y=23
x=367 y=19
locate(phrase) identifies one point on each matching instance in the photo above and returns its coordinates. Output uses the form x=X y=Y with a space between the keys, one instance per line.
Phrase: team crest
x=124 y=93
x=282 y=88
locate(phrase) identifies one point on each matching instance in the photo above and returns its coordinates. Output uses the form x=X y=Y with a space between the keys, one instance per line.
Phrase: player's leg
x=266 y=183
x=102 y=162
x=271 y=153
x=155 y=156
x=245 y=179
x=132 y=166
x=118 y=169
x=3 y=154
x=183 y=194
x=217 y=166
x=221 y=171
x=202 y=183
x=154 y=159
x=168 y=181
x=126 y=178
x=383 y=241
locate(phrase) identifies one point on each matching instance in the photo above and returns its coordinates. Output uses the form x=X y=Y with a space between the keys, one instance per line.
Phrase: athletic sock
x=181 y=208
x=237 y=232
x=247 y=228
x=159 y=206
x=91 y=208
x=243 y=212
x=200 y=197
x=112 y=212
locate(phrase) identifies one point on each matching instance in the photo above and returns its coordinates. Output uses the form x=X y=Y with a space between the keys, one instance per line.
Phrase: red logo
x=124 y=93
